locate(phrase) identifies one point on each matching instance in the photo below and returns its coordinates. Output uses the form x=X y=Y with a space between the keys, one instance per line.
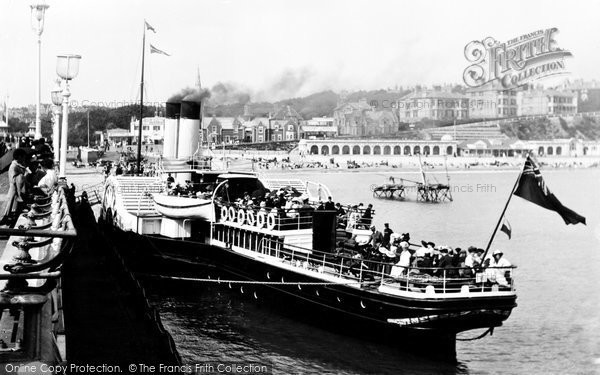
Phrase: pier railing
x=390 y=277
x=31 y=298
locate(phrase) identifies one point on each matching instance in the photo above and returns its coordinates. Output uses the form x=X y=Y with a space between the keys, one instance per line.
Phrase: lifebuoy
x=260 y=219
x=231 y=215
x=271 y=221
x=241 y=216
x=250 y=217
x=224 y=212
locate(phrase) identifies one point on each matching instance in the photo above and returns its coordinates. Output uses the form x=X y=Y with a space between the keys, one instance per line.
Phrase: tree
x=17 y=126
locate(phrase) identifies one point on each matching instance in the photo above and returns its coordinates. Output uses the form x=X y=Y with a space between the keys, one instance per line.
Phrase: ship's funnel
x=189 y=129
x=171 y=137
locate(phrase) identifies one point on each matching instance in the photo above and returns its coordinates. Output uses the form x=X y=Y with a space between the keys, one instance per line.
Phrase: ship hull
x=430 y=321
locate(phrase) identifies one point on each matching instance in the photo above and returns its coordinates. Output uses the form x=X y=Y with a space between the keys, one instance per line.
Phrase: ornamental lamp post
x=67 y=68
x=56 y=95
x=38 y=11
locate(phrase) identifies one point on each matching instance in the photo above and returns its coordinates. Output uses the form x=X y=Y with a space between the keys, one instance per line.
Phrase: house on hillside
x=361 y=119
x=492 y=101
x=433 y=105
x=222 y=129
x=348 y=117
x=255 y=130
x=546 y=102
x=380 y=122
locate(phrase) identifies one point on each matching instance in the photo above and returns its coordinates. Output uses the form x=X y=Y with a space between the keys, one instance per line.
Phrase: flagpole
x=487 y=248
x=139 y=143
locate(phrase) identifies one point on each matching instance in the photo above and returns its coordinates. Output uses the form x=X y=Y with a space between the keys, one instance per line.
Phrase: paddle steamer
x=269 y=253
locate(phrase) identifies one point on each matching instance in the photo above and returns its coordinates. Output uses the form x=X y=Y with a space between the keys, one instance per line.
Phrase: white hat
x=496 y=252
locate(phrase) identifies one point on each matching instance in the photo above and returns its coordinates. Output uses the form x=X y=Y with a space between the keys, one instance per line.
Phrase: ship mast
x=422 y=171
x=139 y=143
x=200 y=139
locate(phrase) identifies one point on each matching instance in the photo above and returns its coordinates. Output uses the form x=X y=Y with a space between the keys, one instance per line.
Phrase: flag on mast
x=532 y=187
x=156 y=50
x=148 y=27
x=506 y=228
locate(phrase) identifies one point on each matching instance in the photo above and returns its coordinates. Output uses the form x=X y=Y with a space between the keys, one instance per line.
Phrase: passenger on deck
x=207 y=194
x=387 y=233
x=464 y=270
x=293 y=211
x=321 y=206
x=353 y=218
x=471 y=253
x=427 y=248
x=402 y=266
x=376 y=238
x=247 y=198
x=455 y=253
x=478 y=259
x=263 y=208
x=268 y=201
x=329 y=205
x=288 y=203
x=341 y=215
x=305 y=213
x=280 y=199
x=425 y=264
x=499 y=269
x=445 y=266
x=367 y=216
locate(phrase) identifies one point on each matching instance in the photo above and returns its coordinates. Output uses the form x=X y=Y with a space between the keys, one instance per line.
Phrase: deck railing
x=370 y=273
x=266 y=218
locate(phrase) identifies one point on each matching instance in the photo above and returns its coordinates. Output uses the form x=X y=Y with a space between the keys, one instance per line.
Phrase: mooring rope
x=478 y=337
x=219 y=281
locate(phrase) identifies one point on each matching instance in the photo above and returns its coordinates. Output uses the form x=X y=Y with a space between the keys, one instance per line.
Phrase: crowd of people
x=401 y=258
x=125 y=168
x=31 y=176
x=291 y=208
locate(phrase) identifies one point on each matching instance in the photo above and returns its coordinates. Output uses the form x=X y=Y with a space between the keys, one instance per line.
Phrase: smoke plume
x=190 y=94
x=288 y=85
x=224 y=93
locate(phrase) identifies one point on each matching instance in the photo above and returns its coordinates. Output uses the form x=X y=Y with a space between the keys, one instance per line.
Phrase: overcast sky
x=274 y=48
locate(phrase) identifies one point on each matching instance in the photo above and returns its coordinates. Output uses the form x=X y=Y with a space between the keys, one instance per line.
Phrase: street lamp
x=56 y=95
x=67 y=68
x=37 y=24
